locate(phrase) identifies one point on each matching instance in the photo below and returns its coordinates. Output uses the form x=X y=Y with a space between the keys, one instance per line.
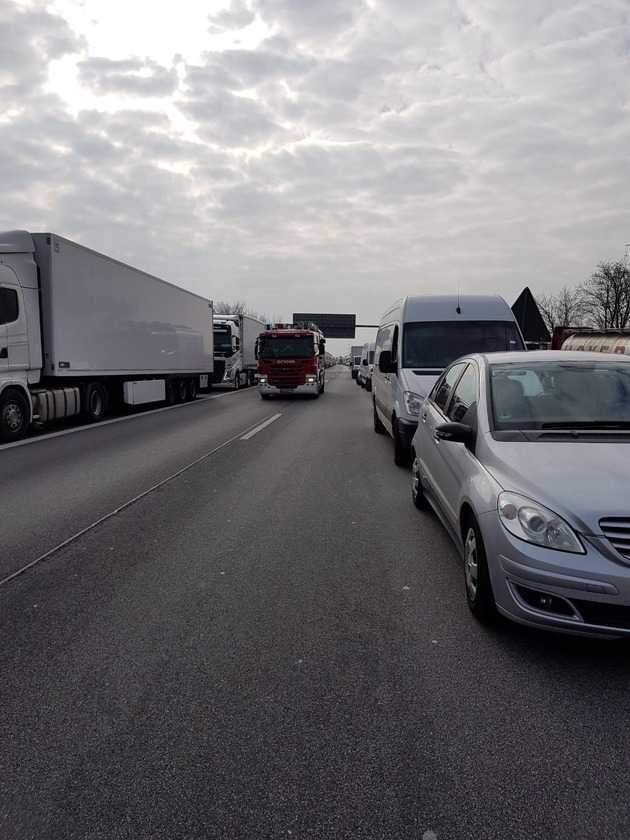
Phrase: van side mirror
x=455 y=433
x=385 y=363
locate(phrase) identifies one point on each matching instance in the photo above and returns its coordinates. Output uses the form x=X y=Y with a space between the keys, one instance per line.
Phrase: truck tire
x=237 y=381
x=181 y=389
x=94 y=402
x=171 y=392
x=191 y=390
x=14 y=415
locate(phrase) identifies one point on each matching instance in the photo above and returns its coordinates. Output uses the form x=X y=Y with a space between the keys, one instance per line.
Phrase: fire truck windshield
x=287 y=347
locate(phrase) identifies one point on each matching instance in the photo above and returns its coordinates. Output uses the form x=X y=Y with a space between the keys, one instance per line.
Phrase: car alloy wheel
x=471 y=565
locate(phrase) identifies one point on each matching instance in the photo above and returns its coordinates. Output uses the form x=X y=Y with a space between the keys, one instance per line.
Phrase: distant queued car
x=525 y=457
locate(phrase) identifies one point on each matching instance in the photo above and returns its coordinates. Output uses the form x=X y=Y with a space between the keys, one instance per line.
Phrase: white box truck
x=80 y=332
x=235 y=349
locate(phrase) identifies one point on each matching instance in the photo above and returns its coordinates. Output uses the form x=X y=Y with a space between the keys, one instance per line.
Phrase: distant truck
x=355 y=359
x=291 y=360
x=80 y=332
x=235 y=339
x=599 y=341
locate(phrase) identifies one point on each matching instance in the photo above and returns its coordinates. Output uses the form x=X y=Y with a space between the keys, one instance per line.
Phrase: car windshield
x=435 y=344
x=286 y=347
x=559 y=395
x=357 y=360
x=222 y=340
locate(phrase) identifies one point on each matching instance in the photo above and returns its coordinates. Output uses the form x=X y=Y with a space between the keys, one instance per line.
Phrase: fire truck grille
x=286 y=378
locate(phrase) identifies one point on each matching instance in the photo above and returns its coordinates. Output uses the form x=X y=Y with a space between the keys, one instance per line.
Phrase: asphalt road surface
x=274 y=643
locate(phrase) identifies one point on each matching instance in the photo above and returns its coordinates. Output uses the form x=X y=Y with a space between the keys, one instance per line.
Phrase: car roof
x=444 y=308
x=549 y=356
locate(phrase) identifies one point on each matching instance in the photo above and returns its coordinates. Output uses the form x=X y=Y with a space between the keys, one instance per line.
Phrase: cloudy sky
x=323 y=154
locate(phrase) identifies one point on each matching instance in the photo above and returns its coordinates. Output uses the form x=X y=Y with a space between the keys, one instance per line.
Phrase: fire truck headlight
x=311 y=380
x=262 y=380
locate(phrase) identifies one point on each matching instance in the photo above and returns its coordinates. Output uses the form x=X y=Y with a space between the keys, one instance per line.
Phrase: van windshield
x=435 y=344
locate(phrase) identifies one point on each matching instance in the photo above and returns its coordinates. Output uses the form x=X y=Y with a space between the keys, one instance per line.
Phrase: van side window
x=444 y=388
x=9 y=309
x=395 y=346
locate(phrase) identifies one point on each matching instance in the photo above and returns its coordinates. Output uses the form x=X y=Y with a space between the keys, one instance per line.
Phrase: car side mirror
x=455 y=433
x=385 y=364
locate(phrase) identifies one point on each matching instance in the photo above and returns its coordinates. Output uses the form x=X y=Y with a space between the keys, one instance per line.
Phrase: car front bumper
x=593 y=587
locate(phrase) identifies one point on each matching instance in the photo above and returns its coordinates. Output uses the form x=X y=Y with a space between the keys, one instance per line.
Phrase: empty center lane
x=54 y=488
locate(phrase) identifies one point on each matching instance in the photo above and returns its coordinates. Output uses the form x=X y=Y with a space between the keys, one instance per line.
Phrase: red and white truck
x=291 y=360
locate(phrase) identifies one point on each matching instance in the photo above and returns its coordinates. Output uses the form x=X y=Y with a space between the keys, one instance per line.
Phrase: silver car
x=525 y=458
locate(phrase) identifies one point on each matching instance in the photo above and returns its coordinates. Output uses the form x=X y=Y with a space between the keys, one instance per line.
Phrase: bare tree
x=606 y=295
x=224 y=307
x=237 y=307
x=562 y=309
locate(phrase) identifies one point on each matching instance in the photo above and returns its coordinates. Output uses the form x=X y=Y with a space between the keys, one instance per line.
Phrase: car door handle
x=424 y=417
x=4 y=353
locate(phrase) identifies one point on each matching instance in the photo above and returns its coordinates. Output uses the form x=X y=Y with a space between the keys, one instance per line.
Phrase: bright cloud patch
x=361 y=150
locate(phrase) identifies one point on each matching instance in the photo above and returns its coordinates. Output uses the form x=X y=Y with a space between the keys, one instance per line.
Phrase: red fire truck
x=291 y=360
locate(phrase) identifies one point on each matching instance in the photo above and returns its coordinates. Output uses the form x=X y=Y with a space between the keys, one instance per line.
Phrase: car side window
x=444 y=388
x=464 y=398
x=9 y=309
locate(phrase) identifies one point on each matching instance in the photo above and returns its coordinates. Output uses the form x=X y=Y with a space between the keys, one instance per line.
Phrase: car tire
x=417 y=491
x=14 y=415
x=402 y=456
x=379 y=428
x=476 y=575
x=264 y=396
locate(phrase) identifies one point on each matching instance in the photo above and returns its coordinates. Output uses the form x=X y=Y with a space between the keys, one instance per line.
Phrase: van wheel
x=379 y=428
x=95 y=405
x=477 y=578
x=402 y=456
x=14 y=415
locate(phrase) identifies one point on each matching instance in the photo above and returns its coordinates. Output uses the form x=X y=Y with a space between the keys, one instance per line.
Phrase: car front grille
x=617 y=530
x=603 y=614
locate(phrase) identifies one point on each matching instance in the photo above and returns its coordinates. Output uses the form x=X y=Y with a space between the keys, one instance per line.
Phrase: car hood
x=581 y=480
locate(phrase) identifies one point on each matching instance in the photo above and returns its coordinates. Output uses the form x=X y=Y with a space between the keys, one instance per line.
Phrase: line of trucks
x=82 y=334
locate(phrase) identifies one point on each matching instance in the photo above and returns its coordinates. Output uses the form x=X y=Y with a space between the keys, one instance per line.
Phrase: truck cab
x=227 y=350
x=291 y=360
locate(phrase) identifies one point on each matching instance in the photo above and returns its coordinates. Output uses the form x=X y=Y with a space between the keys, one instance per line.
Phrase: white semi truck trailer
x=235 y=349
x=80 y=332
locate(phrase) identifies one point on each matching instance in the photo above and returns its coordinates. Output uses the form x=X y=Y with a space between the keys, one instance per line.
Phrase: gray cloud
x=358 y=153
x=139 y=77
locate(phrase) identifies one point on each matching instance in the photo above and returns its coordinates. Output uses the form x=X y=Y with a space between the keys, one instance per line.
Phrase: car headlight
x=413 y=403
x=536 y=524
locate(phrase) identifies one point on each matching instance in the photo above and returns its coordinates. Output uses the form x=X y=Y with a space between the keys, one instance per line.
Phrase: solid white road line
x=47 y=554
x=262 y=426
x=64 y=432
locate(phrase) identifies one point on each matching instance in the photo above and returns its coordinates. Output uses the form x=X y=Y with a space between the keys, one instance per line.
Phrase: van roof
x=444 y=308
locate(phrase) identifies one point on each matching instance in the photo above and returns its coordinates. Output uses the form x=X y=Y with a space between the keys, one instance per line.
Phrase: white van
x=364 y=376
x=420 y=336
x=355 y=359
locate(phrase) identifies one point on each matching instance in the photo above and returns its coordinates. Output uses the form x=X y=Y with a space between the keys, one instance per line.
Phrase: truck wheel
x=181 y=388
x=14 y=415
x=323 y=388
x=171 y=392
x=192 y=390
x=237 y=381
x=95 y=402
